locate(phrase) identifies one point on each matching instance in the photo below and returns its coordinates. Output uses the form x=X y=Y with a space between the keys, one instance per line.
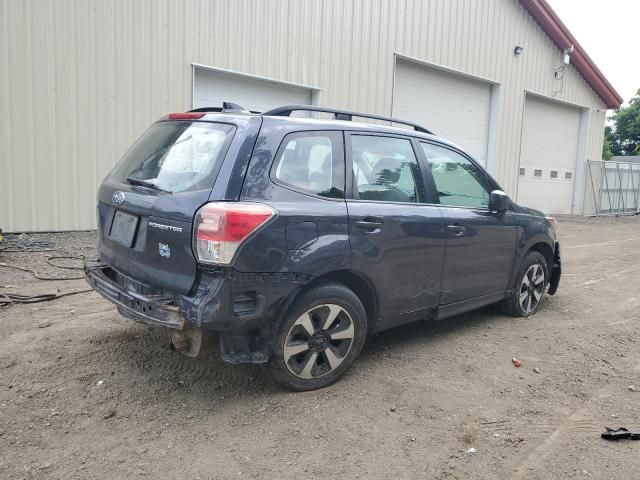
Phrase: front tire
x=530 y=287
x=321 y=336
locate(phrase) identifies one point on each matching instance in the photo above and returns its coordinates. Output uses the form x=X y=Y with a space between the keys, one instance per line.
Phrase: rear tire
x=321 y=336
x=529 y=288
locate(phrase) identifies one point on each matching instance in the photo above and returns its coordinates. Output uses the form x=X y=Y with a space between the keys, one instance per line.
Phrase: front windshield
x=175 y=156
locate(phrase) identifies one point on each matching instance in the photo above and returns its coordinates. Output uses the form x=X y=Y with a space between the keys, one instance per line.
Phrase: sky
x=608 y=31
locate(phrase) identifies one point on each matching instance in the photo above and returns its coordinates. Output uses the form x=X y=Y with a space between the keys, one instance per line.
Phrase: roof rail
x=340 y=115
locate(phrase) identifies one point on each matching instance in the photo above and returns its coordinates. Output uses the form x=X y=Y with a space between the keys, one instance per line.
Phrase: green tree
x=609 y=142
x=625 y=135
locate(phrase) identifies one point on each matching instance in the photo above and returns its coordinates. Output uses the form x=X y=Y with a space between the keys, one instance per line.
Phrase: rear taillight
x=220 y=228
x=185 y=116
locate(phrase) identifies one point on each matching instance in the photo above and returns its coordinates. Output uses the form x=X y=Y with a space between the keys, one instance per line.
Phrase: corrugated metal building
x=80 y=80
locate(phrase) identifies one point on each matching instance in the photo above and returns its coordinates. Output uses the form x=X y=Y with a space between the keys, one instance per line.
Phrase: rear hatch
x=147 y=203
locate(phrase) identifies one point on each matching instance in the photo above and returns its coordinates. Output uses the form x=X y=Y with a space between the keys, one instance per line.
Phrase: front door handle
x=456 y=229
x=369 y=223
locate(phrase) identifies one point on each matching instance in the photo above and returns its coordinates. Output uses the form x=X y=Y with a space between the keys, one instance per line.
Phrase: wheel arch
x=357 y=282
x=539 y=243
x=545 y=250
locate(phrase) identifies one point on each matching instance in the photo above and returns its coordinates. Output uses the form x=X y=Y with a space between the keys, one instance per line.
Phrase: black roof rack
x=340 y=115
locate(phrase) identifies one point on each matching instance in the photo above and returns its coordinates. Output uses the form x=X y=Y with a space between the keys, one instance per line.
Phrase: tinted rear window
x=176 y=156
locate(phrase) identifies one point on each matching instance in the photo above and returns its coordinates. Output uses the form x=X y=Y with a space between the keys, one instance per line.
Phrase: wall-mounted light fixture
x=518 y=50
x=566 y=57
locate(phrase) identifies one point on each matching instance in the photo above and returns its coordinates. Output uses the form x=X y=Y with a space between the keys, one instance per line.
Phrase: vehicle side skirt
x=457 y=308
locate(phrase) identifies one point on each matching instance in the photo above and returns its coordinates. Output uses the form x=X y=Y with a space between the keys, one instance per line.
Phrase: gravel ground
x=85 y=393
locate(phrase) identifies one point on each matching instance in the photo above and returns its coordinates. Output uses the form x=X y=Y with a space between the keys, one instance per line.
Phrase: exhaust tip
x=188 y=341
x=178 y=343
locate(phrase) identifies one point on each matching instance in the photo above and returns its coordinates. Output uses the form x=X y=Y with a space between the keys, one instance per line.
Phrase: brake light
x=186 y=115
x=220 y=228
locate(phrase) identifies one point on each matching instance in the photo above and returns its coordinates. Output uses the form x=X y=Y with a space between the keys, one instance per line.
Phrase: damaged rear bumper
x=242 y=308
x=151 y=309
x=556 y=271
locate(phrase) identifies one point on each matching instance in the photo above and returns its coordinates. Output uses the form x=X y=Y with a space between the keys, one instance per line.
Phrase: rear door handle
x=369 y=223
x=457 y=230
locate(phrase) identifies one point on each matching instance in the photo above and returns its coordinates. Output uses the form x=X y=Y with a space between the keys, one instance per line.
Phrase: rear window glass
x=311 y=162
x=176 y=156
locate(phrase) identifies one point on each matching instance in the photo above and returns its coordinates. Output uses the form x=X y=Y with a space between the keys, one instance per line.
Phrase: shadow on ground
x=139 y=356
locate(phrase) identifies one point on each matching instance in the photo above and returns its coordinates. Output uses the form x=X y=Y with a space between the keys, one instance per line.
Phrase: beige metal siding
x=80 y=80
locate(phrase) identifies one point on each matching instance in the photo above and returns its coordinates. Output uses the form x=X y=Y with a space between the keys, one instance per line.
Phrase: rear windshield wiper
x=146 y=183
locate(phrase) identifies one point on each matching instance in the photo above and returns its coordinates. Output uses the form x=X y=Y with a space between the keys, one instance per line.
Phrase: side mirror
x=499 y=201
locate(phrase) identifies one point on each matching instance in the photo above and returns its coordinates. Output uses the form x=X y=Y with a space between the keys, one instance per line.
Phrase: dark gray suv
x=294 y=238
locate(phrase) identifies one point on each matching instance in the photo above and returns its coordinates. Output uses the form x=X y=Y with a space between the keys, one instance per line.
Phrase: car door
x=397 y=238
x=480 y=244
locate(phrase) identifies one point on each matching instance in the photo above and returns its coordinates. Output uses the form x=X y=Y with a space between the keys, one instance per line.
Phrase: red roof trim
x=542 y=12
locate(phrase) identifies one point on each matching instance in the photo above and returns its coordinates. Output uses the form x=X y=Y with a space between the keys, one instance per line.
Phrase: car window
x=176 y=156
x=385 y=169
x=459 y=182
x=312 y=163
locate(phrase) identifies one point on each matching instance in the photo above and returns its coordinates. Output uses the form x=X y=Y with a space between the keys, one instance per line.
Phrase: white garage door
x=211 y=88
x=452 y=106
x=550 y=138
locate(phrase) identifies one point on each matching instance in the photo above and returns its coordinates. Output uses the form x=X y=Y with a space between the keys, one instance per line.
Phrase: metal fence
x=615 y=187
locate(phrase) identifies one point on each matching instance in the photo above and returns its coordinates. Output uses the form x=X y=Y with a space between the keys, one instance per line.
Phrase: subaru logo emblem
x=164 y=250
x=118 y=198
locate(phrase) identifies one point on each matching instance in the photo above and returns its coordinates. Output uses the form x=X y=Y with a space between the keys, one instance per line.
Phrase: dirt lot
x=87 y=394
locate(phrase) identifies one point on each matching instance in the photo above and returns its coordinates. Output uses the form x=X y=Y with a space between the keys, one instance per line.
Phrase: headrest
x=326 y=163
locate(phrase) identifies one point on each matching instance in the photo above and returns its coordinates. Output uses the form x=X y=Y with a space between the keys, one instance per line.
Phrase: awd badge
x=164 y=250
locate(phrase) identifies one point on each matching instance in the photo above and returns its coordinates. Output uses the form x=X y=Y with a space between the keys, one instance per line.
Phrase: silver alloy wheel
x=531 y=288
x=318 y=341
